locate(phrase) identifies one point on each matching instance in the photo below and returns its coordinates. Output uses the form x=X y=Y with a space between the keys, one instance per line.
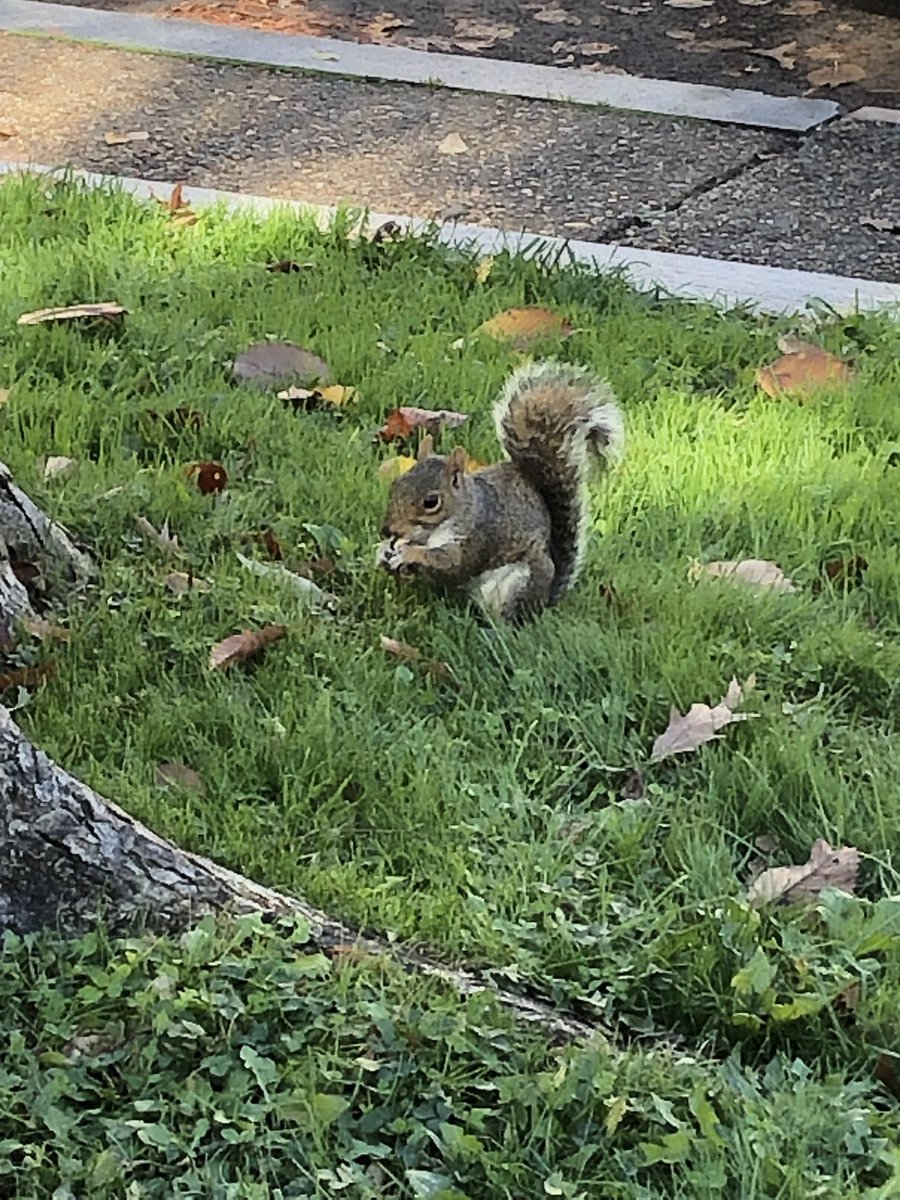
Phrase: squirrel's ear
x=456 y=465
x=426 y=448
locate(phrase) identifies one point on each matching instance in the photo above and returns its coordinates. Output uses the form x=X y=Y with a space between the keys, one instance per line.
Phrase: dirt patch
x=845 y=51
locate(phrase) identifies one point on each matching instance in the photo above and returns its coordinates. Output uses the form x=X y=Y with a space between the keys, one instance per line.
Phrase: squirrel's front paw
x=394 y=555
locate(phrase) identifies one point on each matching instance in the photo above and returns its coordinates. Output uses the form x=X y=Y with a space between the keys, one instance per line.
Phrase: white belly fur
x=497 y=586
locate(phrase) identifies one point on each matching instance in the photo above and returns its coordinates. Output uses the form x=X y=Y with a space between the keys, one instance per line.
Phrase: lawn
x=512 y=821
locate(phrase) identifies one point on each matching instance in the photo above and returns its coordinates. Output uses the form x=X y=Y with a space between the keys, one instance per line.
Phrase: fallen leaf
x=58 y=464
x=107 y=310
x=452 y=144
x=754 y=3
x=272 y=545
x=688 y=3
x=211 y=477
x=242 y=646
x=324 y=56
x=8 y=131
x=176 y=774
x=309 y=398
x=755 y=572
x=680 y=35
x=393 y=468
x=304 y=587
x=802 y=8
x=45 y=630
x=836 y=74
x=826 y=867
x=165 y=540
x=785 y=54
x=279 y=364
x=846 y=572
x=401 y=650
x=701 y=723
x=483 y=269
x=402 y=421
x=122 y=139
x=550 y=15
x=5 y=394
x=179 y=582
x=523 y=326
x=849 y=998
x=90 y=1045
x=887 y=1072
x=803 y=370
x=25 y=677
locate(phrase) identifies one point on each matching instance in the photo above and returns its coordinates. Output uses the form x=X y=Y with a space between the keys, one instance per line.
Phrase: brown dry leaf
x=25 y=677
x=836 y=74
x=688 y=3
x=5 y=394
x=801 y=8
x=58 y=464
x=279 y=364
x=785 y=54
x=179 y=582
x=393 y=468
x=701 y=724
x=755 y=572
x=401 y=650
x=452 y=144
x=211 y=477
x=106 y=310
x=45 y=630
x=122 y=139
x=523 y=326
x=804 y=369
x=402 y=421
x=558 y=16
x=8 y=131
x=846 y=572
x=176 y=774
x=827 y=867
x=162 y=537
x=242 y=646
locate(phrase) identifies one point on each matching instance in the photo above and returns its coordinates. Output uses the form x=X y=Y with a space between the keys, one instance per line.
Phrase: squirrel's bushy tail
x=550 y=416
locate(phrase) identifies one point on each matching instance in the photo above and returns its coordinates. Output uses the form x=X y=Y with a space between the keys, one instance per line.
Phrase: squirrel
x=513 y=533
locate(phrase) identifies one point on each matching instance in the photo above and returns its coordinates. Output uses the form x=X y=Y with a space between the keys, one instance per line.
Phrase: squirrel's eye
x=432 y=503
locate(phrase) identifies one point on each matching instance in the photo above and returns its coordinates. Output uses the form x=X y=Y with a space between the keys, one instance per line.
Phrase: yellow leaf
x=393 y=468
x=484 y=268
x=122 y=139
x=337 y=395
x=523 y=326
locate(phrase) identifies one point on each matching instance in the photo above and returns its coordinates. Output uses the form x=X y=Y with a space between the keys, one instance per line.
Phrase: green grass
x=488 y=822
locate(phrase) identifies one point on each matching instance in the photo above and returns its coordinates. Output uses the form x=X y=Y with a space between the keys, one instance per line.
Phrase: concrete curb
x=726 y=284
x=394 y=64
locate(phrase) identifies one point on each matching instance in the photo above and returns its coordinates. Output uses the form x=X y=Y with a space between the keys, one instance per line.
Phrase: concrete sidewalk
x=829 y=201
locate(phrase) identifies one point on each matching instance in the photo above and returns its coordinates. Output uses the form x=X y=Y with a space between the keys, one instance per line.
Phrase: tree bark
x=69 y=858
